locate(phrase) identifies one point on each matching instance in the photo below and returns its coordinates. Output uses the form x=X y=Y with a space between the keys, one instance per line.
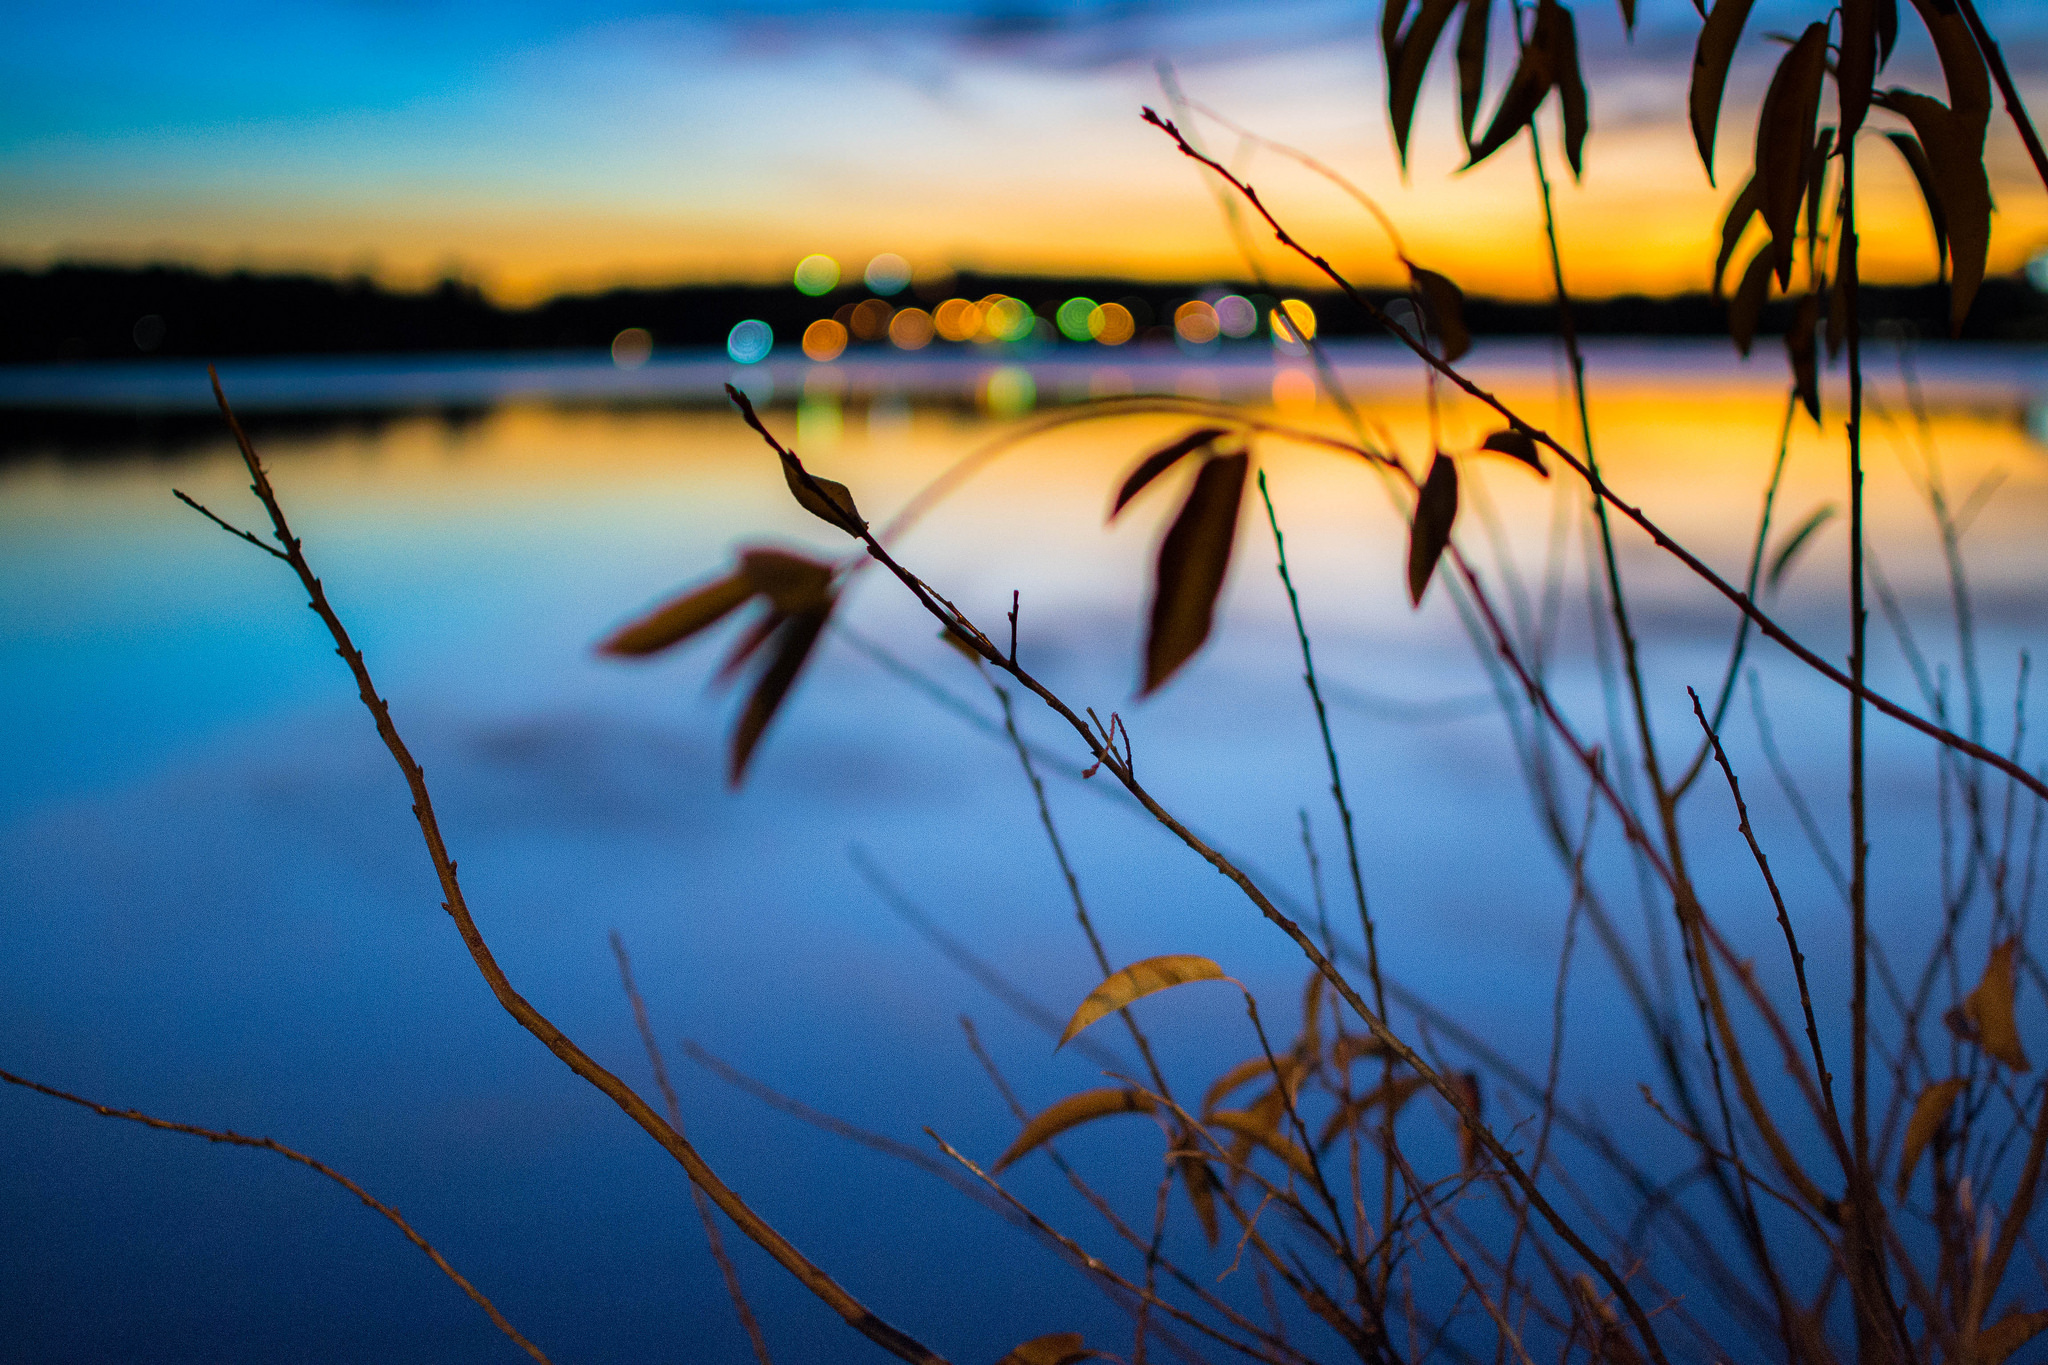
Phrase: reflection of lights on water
x=817 y=275
x=1196 y=322
x=888 y=417
x=957 y=319
x=757 y=385
x=819 y=422
x=1108 y=383
x=2037 y=271
x=1006 y=319
x=1008 y=392
x=1072 y=319
x=824 y=340
x=1294 y=325
x=631 y=348
x=749 y=342
x=1199 y=384
x=1112 y=324
x=1293 y=390
x=2037 y=423
x=1236 y=315
x=148 y=332
x=911 y=329
x=869 y=319
x=887 y=273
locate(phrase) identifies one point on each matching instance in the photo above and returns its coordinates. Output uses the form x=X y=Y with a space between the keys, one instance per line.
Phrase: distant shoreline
x=84 y=312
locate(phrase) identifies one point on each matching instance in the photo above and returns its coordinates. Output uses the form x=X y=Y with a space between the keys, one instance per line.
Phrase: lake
x=217 y=909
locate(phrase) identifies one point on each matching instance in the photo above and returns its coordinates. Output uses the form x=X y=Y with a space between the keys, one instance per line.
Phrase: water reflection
x=216 y=909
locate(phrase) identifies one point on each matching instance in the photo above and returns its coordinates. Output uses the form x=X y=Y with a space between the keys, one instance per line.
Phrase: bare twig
x=855 y=1313
x=712 y=1237
x=239 y=1140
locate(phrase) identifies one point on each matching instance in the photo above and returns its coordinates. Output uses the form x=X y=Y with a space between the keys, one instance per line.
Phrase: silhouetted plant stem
x=957 y=621
x=1372 y=952
x=1059 y=852
x=1741 y=600
x=235 y=1139
x=712 y=1236
x=856 y=1314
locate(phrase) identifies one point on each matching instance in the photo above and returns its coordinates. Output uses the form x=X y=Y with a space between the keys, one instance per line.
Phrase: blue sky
x=538 y=146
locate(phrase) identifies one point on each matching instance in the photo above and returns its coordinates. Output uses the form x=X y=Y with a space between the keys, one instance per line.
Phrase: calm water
x=216 y=908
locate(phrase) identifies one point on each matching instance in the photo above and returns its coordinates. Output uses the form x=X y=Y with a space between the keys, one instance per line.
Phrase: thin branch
x=1770 y=628
x=712 y=1236
x=813 y=1278
x=239 y=1140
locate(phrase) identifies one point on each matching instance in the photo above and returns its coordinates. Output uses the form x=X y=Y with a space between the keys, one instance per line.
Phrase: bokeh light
x=887 y=273
x=817 y=275
x=1112 y=324
x=1300 y=314
x=957 y=319
x=911 y=329
x=631 y=348
x=1009 y=391
x=749 y=342
x=1006 y=319
x=1072 y=319
x=1294 y=391
x=824 y=339
x=1196 y=322
x=869 y=319
x=1237 y=315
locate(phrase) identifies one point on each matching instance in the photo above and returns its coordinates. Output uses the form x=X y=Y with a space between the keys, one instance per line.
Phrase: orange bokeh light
x=824 y=340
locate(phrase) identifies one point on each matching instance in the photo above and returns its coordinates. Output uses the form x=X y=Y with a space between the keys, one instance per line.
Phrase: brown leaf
x=1192 y=562
x=1571 y=88
x=1056 y=1348
x=789 y=582
x=1928 y=1113
x=1710 y=60
x=1311 y=1015
x=1201 y=1184
x=1436 y=507
x=1962 y=66
x=1517 y=444
x=1989 y=1007
x=839 y=510
x=1748 y=301
x=1955 y=153
x=1998 y=1341
x=1353 y=1046
x=1739 y=213
x=1404 y=1089
x=1137 y=981
x=1534 y=75
x=1443 y=303
x=1469 y=1148
x=750 y=640
x=1265 y=1134
x=1161 y=460
x=1887 y=30
x=792 y=650
x=1784 y=136
x=1070 y=1113
x=1923 y=174
x=1801 y=350
x=1856 y=64
x=1408 y=61
x=676 y=621
x=1472 y=34
x=1239 y=1076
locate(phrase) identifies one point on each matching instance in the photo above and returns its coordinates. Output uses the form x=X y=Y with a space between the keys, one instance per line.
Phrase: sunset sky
x=537 y=146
